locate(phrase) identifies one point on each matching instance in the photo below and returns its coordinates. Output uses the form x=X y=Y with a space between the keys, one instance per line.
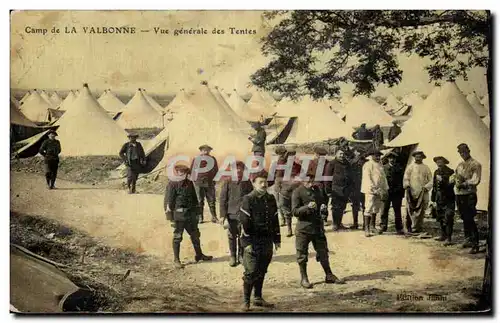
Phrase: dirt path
x=376 y=269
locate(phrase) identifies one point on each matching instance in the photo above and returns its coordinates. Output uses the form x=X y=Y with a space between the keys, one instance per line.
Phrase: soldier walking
x=50 y=150
x=204 y=182
x=443 y=199
x=231 y=195
x=309 y=205
x=260 y=230
x=181 y=208
x=394 y=173
x=134 y=158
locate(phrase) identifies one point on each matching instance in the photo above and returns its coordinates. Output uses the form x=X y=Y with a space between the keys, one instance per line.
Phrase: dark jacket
x=50 y=149
x=309 y=220
x=132 y=153
x=285 y=196
x=205 y=178
x=259 y=219
x=394 y=132
x=357 y=173
x=394 y=175
x=259 y=141
x=231 y=195
x=180 y=197
x=442 y=192
x=362 y=134
x=378 y=138
x=341 y=179
x=282 y=160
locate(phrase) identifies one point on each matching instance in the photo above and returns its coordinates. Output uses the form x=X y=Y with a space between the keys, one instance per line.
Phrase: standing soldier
x=181 y=206
x=204 y=182
x=417 y=181
x=278 y=179
x=50 y=150
x=319 y=153
x=394 y=131
x=285 y=202
x=260 y=230
x=443 y=199
x=356 y=197
x=394 y=173
x=338 y=189
x=362 y=133
x=374 y=186
x=134 y=158
x=231 y=195
x=467 y=178
x=259 y=140
x=309 y=205
x=378 y=138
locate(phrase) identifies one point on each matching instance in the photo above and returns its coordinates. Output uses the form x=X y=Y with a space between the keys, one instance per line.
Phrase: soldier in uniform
x=356 y=197
x=394 y=131
x=50 y=150
x=338 y=189
x=134 y=158
x=309 y=205
x=260 y=230
x=394 y=173
x=285 y=202
x=259 y=140
x=443 y=199
x=231 y=195
x=181 y=207
x=204 y=182
x=362 y=133
x=278 y=179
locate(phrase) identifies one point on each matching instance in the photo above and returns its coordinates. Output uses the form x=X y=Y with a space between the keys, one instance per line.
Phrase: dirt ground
x=119 y=232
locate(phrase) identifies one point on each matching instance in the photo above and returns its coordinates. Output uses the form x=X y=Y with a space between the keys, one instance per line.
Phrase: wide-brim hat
x=202 y=147
x=52 y=131
x=419 y=153
x=446 y=162
x=463 y=146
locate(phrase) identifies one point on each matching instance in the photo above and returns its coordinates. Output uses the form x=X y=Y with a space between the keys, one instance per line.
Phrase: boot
x=201 y=214
x=283 y=220
x=47 y=179
x=289 y=227
x=330 y=278
x=232 y=251
x=213 y=212
x=304 y=280
x=53 y=183
x=199 y=254
x=373 y=221
x=449 y=233
x=354 y=225
x=258 y=300
x=474 y=250
x=367 y=226
x=442 y=237
x=247 y=293
x=177 y=261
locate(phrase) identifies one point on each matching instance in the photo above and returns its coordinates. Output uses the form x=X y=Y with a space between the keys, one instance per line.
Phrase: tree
x=314 y=52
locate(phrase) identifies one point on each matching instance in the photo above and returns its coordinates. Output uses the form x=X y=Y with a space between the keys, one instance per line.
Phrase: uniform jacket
x=394 y=174
x=259 y=141
x=231 y=196
x=374 y=180
x=309 y=220
x=259 y=219
x=341 y=179
x=180 y=197
x=313 y=168
x=442 y=192
x=205 y=178
x=357 y=172
x=129 y=152
x=362 y=134
x=50 y=149
x=286 y=193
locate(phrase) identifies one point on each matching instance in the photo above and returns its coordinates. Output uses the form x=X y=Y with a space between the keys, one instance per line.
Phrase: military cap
x=463 y=146
x=52 y=131
x=320 y=151
x=181 y=168
x=205 y=147
x=442 y=158
x=419 y=152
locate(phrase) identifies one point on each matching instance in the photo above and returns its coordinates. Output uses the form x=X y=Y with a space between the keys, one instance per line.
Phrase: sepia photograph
x=244 y=161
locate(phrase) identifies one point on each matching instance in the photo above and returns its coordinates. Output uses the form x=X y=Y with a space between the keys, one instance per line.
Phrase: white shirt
x=416 y=177
x=373 y=179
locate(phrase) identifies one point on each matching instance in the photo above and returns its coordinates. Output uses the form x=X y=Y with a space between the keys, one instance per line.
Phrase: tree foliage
x=315 y=52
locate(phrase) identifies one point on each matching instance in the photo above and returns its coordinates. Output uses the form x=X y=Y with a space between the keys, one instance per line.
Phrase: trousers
x=51 y=167
x=338 y=207
x=256 y=260
x=466 y=205
x=396 y=200
x=415 y=217
x=319 y=243
x=233 y=235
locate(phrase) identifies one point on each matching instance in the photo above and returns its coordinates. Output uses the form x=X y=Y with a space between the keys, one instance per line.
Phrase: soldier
x=394 y=131
x=443 y=199
x=378 y=137
x=319 y=153
x=231 y=195
x=134 y=158
x=338 y=189
x=394 y=173
x=260 y=230
x=278 y=178
x=374 y=186
x=50 y=150
x=181 y=207
x=309 y=206
x=362 y=133
x=259 y=140
x=355 y=196
x=467 y=178
x=285 y=202
x=204 y=182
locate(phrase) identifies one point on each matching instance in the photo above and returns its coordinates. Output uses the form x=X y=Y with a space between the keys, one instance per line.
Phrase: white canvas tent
x=36 y=108
x=55 y=99
x=47 y=99
x=446 y=120
x=152 y=102
x=241 y=123
x=110 y=102
x=258 y=106
x=86 y=129
x=66 y=103
x=476 y=105
x=362 y=109
x=487 y=120
x=138 y=113
x=239 y=106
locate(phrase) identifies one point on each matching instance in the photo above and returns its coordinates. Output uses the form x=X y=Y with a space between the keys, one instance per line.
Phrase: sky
x=160 y=63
